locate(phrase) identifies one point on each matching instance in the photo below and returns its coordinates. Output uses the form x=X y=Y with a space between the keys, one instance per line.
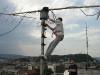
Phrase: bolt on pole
x=43 y=17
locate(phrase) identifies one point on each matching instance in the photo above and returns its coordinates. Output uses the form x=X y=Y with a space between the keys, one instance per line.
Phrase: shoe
x=43 y=56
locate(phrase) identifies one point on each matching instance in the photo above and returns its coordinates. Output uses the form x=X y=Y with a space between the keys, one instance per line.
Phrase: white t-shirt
x=59 y=26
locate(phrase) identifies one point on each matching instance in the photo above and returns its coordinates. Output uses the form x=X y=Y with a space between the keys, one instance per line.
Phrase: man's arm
x=51 y=20
x=72 y=70
x=50 y=27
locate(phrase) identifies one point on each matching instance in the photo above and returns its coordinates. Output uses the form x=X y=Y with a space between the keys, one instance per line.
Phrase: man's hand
x=69 y=71
x=51 y=20
x=49 y=27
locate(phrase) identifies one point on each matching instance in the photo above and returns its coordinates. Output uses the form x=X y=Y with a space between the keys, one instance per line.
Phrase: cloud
x=29 y=49
x=71 y=26
x=93 y=2
x=77 y=35
x=35 y=33
x=92 y=34
x=26 y=38
x=10 y=48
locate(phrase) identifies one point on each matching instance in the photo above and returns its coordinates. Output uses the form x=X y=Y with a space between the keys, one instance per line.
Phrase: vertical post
x=42 y=47
x=43 y=17
x=87 y=42
x=87 y=51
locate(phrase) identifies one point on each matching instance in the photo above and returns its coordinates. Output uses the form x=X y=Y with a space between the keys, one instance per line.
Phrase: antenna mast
x=87 y=43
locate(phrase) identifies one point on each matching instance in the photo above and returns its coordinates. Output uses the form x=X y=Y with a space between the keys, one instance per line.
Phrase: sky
x=25 y=39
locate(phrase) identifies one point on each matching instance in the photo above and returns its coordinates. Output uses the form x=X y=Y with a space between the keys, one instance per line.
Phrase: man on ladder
x=58 y=31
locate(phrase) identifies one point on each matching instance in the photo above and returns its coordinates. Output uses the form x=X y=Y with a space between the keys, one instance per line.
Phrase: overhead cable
x=13 y=28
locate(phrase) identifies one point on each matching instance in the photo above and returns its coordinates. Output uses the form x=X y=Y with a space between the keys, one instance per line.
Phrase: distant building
x=52 y=67
x=60 y=68
x=27 y=72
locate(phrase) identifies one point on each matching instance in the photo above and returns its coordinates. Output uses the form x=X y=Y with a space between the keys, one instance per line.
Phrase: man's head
x=59 y=18
x=72 y=61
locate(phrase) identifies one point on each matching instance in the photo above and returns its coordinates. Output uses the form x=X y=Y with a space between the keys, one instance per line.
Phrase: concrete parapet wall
x=89 y=72
x=82 y=72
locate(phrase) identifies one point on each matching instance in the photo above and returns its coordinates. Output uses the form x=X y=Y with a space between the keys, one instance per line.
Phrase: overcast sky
x=26 y=38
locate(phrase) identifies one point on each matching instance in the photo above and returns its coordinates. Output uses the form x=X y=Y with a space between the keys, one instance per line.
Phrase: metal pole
x=42 y=48
x=87 y=51
x=43 y=17
x=87 y=42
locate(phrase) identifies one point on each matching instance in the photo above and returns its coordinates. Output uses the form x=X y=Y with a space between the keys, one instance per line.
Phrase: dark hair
x=60 y=19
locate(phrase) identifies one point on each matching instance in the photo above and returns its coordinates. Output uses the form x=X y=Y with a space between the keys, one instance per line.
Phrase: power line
x=4 y=10
x=17 y=15
x=70 y=7
x=86 y=14
x=54 y=16
x=98 y=15
x=13 y=28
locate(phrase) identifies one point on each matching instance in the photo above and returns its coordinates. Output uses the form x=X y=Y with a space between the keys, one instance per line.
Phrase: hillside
x=53 y=58
x=98 y=58
x=76 y=57
x=11 y=56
